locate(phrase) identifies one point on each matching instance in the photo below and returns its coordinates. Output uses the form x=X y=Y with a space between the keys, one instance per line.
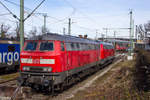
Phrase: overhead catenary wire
x=86 y=16
x=58 y=20
x=74 y=9
x=14 y=21
x=19 y=5
x=9 y=11
x=34 y=10
x=37 y=17
x=45 y=14
x=5 y=14
x=89 y=18
x=16 y=4
x=85 y=28
x=7 y=19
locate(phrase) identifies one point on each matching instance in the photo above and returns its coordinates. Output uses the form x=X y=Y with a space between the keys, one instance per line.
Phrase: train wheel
x=36 y=87
x=61 y=87
x=52 y=88
x=16 y=68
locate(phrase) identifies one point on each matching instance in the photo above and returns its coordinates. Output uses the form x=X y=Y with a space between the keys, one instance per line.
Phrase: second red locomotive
x=52 y=61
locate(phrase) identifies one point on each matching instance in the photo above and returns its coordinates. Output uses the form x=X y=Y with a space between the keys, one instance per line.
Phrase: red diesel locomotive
x=52 y=61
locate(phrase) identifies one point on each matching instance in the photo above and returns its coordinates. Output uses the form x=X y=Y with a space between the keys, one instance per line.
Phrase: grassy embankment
x=120 y=83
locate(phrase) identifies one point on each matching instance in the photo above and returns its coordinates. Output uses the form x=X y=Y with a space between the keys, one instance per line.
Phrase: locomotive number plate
x=36 y=61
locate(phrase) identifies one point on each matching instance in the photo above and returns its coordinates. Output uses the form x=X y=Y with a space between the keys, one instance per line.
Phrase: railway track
x=8 y=78
x=9 y=90
x=8 y=85
x=7 y=81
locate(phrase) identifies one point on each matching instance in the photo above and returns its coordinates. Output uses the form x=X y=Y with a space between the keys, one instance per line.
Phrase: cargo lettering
x=9 y=57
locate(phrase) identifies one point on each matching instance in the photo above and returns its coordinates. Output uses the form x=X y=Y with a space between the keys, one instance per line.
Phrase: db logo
x=36 y=61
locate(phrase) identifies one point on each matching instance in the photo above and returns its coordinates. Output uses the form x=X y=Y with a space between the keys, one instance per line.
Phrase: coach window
x=95 y=47
x=81 y=48
x=105 y=47
x=85 y=46
x=62 y=46
x=78 y=46
x=89 y=46
x=68 y=46
x=72 y=46
x=108 y=47
x=75 y=46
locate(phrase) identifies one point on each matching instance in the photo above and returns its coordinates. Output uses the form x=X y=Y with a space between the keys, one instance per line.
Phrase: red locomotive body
x=51 y=60
x=107 y=52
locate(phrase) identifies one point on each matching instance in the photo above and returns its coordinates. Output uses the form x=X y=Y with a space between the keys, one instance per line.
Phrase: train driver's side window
x=62 y=46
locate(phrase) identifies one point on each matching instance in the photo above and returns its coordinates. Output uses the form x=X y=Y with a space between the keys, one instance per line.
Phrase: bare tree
x=4 y=30
x=143 y=30
x=33 y=32
x=17 y=30
x=147 y=26
x=44 y=30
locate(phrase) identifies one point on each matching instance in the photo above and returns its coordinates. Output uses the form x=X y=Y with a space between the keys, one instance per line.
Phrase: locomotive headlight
x=48 y=69
x=26 y=68
x=45 y=69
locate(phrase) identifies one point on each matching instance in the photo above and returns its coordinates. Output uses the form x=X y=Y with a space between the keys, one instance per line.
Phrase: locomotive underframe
x=54 y=79
x=13 y=66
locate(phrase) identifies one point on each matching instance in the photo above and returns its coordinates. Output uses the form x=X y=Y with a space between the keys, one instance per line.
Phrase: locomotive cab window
x=62 y=46
x=72 y=46
x=46 y=46
x=31 y=46
x=78 y=46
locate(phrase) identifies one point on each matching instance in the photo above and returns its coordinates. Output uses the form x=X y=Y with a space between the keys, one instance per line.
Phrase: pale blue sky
x=87 y=15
